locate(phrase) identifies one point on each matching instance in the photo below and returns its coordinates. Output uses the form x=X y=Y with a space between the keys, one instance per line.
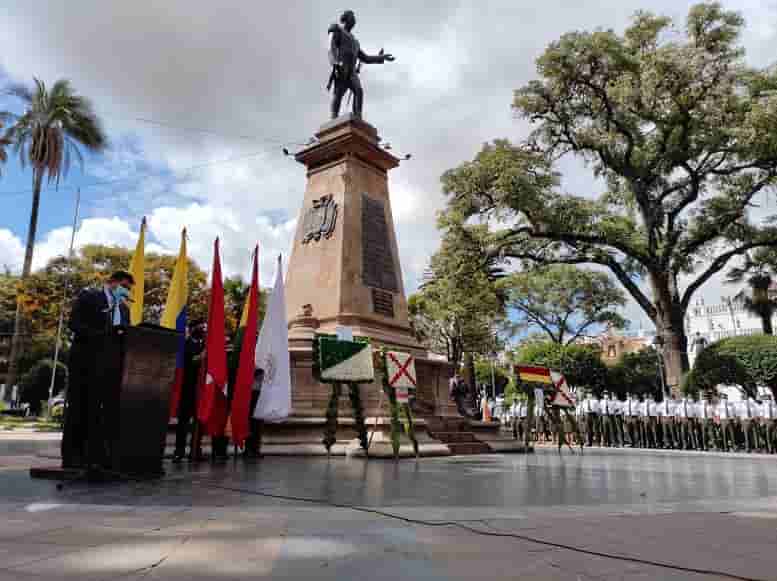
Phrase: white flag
x=272 y=356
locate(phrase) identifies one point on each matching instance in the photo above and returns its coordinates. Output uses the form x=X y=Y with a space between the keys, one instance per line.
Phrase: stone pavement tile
x=16 y=576
x=19 y=525
x=108 y=560
x=219 y=558
x=16 y=554
x=705 y=541
x=86 y=535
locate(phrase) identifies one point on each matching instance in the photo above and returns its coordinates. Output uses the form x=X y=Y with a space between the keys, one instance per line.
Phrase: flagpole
x=64 y=295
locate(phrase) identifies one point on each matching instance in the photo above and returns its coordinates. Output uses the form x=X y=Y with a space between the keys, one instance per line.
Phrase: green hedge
x=747 y=361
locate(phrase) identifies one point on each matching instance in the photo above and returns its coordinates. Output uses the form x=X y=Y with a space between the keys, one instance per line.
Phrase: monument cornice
x=346 y=136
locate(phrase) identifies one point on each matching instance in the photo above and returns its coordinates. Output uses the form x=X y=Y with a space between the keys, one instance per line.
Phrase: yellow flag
x=174 y=315
x=137 y=269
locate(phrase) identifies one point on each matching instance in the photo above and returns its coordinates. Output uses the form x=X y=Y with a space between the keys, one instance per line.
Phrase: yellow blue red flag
x=174 y=317
x=137 y=269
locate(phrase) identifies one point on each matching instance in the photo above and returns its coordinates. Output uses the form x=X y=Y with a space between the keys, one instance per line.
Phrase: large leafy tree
x=564 y=302
x=55 y=125
x=681 y=134
x=459 y=306
x=637 y=374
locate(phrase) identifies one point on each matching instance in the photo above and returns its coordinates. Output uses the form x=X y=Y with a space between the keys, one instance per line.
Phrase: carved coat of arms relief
x=319 y=220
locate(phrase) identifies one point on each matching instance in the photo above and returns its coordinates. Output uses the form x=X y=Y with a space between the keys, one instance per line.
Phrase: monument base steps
x=465 y=437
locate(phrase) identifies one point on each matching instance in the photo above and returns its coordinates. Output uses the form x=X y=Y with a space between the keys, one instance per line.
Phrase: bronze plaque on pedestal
x=378 y=269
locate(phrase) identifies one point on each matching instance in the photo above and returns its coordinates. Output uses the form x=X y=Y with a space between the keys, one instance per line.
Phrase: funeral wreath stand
x=339 y=362
x=399 y=378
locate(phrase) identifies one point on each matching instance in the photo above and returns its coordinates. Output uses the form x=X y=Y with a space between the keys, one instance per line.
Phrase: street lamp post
x=493 y=375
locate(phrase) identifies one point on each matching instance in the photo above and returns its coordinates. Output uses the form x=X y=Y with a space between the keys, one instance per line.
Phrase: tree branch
x=607 y=261
x=718 y=264
x=691 y=246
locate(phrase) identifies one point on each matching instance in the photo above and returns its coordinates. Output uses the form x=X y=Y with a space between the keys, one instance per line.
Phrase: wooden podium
x=144 y=399
x=136 y=413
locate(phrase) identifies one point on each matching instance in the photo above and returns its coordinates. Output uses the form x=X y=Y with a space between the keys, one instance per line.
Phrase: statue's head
x=348 y=19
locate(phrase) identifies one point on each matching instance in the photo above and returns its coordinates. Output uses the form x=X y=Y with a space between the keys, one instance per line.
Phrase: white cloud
x=109 y=231
x=11 y=251
x=238 y=233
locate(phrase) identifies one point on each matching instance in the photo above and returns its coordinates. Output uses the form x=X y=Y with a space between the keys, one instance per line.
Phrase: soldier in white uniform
x=631 y=420
x=654 y=420
x=746 y=414
x=592 y=421
x=606 y=413
x=539 y=413
x=723 y=411
x=704 y=412
x=644 y=422
x=521 y=420
x=683 y=418
x=668 y=411
x=620 y=423
x=769 y=422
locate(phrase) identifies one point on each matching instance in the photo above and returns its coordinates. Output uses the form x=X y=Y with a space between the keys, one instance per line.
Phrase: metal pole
x=493 y=381
x=64 y=294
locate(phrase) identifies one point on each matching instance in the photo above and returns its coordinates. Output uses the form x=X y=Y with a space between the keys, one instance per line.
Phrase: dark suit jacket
x=91 y=315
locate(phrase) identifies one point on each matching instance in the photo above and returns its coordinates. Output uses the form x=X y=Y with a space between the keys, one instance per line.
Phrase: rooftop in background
x=615 y=345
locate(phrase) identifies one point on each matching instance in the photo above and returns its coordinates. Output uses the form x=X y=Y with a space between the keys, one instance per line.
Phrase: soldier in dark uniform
x=98 y=320
x=253 y=447
x=345 y=56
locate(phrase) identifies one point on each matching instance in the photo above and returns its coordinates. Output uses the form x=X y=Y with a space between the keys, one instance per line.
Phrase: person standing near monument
x=193 y=348
x=346 y=56
x=98 y=320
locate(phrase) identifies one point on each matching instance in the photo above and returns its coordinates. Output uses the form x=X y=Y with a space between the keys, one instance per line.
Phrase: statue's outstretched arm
x=378 y=59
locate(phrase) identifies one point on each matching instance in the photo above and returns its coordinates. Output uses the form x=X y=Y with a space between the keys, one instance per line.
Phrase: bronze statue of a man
x=346 y=56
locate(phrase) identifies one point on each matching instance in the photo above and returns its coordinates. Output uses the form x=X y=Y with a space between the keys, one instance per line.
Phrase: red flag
x=244 y=381
x=212 y=404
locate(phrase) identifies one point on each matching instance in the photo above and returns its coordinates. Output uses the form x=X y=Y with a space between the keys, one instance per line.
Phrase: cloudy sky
x=199 y=97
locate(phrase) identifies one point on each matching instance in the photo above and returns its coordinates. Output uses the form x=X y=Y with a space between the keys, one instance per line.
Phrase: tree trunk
x=19 y=323
x=670 y=327
x=675 y=351
x=761 y=302
x=469 y=375
x=530 y=403
x=766 y=323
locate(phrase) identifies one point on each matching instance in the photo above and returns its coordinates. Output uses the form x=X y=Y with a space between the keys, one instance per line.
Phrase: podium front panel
x=148 y=373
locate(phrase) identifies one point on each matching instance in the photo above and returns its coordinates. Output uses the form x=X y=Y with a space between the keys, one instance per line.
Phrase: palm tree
x=55 y=124
x=761 y=268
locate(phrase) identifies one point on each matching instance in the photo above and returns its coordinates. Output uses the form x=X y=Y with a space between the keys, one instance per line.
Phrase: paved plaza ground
x=605 y=515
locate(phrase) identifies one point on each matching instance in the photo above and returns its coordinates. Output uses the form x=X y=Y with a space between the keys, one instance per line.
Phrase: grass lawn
x=9 y=423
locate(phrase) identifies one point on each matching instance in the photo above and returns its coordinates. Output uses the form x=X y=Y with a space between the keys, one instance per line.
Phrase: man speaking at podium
x=98 y=321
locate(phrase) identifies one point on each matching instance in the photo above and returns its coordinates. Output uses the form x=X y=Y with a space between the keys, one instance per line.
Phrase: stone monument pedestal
x=344 y=270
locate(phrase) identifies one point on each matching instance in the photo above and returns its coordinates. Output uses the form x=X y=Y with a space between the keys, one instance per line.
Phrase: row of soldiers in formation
x=674 y=423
